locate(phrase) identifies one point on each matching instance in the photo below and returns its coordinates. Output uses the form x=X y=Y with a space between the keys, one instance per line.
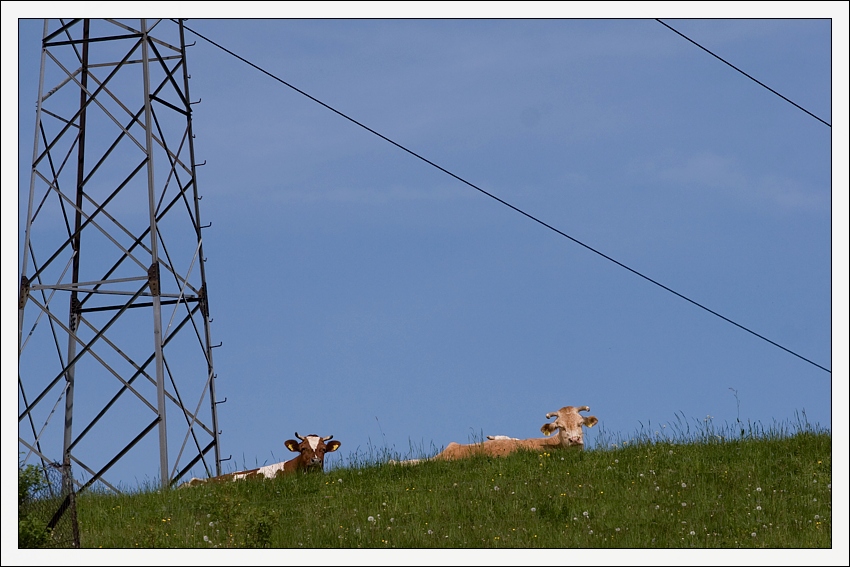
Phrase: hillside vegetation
x=702 y=489
x=771 y=490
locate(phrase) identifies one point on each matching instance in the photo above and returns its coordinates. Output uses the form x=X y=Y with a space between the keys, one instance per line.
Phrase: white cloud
x=727 y=178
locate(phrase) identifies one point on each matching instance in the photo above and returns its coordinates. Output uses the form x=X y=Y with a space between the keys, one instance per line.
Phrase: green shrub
x=32 y=532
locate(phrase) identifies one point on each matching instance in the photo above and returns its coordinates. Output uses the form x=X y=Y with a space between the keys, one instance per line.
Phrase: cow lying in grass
x=567 y=426
x=311 y=458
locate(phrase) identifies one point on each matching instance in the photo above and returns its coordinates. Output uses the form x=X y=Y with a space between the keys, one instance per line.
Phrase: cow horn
x=299 y=437
x=551 y=415
x=328 y=438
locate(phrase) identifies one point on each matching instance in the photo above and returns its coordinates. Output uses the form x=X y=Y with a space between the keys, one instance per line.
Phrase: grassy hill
x=770 y=490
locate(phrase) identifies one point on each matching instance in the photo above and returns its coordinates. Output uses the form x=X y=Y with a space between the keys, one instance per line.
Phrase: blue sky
x=359 y=291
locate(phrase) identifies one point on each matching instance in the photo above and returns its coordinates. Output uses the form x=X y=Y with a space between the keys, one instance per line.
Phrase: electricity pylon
x=114 y=351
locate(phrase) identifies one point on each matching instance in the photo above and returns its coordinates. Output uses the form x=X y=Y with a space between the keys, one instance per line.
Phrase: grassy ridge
x=767 y=491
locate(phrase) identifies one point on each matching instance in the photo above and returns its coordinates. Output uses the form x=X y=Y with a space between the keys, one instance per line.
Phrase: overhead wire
x=502 y=201
x=743 y=73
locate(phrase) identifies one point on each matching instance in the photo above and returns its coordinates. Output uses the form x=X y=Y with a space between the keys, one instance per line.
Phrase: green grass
x=703 y=489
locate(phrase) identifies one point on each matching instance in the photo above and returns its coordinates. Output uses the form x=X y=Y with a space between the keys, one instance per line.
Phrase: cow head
x=312 y=449
x=568 y=424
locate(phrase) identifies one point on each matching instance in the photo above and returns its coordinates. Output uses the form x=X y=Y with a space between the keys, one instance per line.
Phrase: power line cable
x=743 y=73
x=535 y=219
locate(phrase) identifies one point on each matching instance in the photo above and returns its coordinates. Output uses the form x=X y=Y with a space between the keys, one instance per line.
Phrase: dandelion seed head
x=684 y=485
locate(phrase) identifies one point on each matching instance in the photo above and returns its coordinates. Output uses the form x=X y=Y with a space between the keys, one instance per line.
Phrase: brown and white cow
x=568 y=426
x=311 y=458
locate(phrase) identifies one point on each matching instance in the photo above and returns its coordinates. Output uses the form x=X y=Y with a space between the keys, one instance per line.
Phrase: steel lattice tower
x=114 y=351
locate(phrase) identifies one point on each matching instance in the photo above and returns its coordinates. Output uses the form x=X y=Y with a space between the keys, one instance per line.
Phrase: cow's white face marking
x=313 y=441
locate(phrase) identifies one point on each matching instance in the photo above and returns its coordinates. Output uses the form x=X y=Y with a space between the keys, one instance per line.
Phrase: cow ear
x=548 y=429
x=332 y=446
x=292 y=445
x=590 y=421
